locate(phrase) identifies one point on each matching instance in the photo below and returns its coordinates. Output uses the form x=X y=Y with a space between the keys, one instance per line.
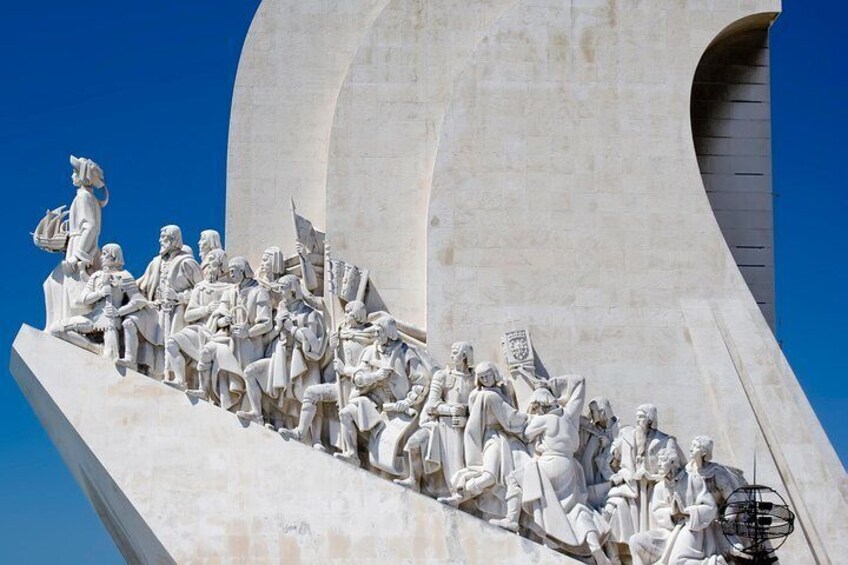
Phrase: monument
x=514 y=296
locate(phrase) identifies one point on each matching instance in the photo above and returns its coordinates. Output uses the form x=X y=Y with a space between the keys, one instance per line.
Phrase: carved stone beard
x=641 y=437
x=165 y=251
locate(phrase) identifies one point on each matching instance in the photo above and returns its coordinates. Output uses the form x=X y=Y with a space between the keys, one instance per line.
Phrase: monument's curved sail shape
x=292 y=66
x=731 y=128
x=384 y=139
x=567 y=199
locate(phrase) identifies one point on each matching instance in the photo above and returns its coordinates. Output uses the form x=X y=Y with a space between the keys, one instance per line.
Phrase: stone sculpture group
x=276 y=348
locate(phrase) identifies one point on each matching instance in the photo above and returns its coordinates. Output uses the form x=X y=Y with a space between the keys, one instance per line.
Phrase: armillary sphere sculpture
x=757 y=521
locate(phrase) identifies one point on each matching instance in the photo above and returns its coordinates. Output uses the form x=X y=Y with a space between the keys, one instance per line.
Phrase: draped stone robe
x=62 y=290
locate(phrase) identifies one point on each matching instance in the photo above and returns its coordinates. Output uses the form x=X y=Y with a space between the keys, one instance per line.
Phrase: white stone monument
x=477 y=173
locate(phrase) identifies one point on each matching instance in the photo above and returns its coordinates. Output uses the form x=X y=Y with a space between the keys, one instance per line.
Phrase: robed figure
x=63 y=287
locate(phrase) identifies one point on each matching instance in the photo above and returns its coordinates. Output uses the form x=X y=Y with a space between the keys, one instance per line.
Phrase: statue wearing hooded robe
x=597 y=433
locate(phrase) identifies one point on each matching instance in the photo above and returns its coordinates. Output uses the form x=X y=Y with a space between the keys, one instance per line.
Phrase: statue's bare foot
x=452 y=500
x=198 y=393
x=289 y=434
x=506 y=524
x=250 y=416
x=409 y=483
x=348 y=458
x=128 y=363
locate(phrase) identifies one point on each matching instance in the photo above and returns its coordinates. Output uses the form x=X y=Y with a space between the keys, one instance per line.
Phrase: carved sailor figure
x=347 y=344
x=244 y=317
x=550 y=489
x=186 y=344
x=436 y=447
x=295 y=363
x=390 y=376
x=167 y=283
x=63 y=288
x=111 y=294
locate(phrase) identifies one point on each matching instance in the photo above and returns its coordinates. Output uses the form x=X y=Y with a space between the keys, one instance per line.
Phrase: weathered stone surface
x=183 y=481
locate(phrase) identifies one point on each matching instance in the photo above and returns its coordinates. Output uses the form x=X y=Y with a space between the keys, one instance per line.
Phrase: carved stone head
x=209 y=240
x=701 y=449
x=273 y=263
x=355 y=313
x=461 y=356
x=112 y=257
x=386 y=329
x=170 y=239
x=487 y=374
x=214 y=265
x=240 y=270
x=542 y=401
x=668 y=462
x=646 y=417
x=600 y=411
x=289 y=288
x=86 y=173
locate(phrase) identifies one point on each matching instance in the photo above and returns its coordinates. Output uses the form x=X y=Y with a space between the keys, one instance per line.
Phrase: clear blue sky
x=145 y=87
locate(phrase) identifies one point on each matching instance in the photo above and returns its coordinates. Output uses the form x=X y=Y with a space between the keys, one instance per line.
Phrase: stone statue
x=684 y=511
x=63 y=287
x=437 y=445
x=111 y=294
x=186 y=344
x=167 y=283
x=597 y=433
x=550 y=488
x=272 y=266
x=209 y=241
x=296 y=361
x=244 y=317
x=347 y=344
x=635 y=452
x=389 y=378
x=491 y=443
